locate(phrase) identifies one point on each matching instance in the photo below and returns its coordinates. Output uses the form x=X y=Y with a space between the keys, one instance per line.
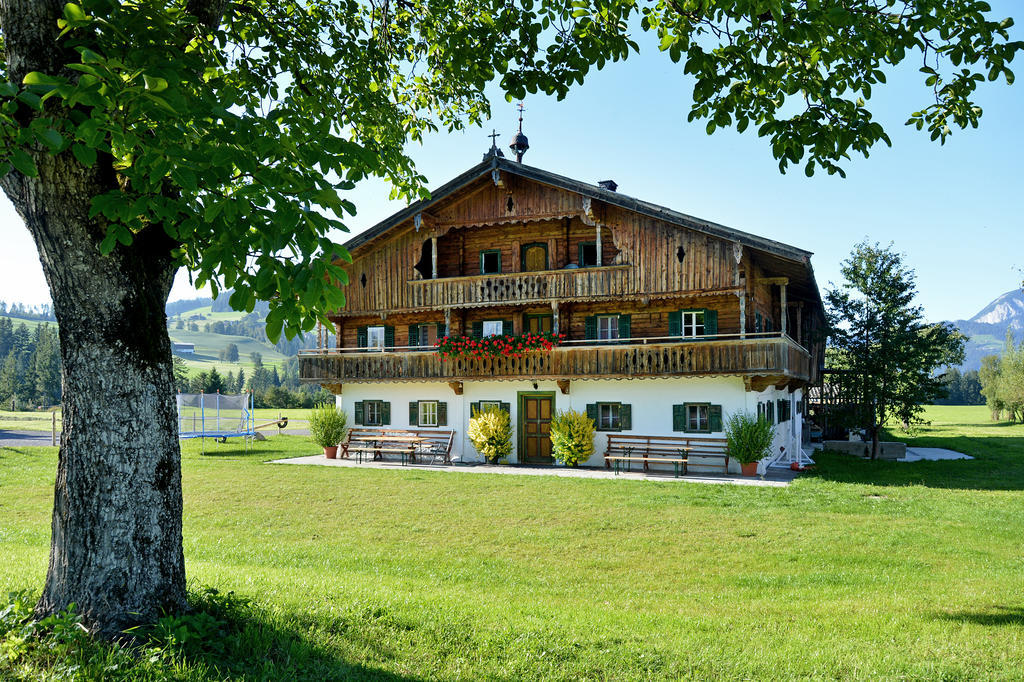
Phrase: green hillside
x=209 y=346
x=31 y=324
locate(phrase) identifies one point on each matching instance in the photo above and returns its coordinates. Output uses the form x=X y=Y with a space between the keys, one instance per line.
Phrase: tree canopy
x=879 y=335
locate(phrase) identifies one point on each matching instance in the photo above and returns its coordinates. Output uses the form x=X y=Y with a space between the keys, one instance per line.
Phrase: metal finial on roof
x=493 y=151
x=519 y=143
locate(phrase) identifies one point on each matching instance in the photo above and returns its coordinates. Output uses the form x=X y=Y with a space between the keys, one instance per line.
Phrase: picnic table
x=381 y=443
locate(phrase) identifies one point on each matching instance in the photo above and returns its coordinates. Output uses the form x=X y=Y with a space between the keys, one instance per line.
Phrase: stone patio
x=775 y=478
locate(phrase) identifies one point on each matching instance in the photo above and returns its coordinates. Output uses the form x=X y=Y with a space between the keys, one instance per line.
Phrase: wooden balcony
x=763 y=360
x=577 y=284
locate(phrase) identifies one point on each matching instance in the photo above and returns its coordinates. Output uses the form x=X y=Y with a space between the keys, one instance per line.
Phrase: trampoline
x=217 y=416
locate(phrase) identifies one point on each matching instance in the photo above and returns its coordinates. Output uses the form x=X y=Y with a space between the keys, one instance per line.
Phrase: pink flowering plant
x=496 y=346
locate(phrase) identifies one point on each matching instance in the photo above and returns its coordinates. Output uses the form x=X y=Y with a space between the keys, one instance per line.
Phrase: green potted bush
x=490 y=432
x=749 y=440
x=572 y=437
x=327 y=428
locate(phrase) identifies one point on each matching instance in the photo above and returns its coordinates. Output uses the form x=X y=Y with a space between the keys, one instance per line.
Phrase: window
x=427 y=413
x=483 y=405
x=373 y=413
x=535 y=257
x=488 y=404
x=693 y=323
x=375 y=337
x=697 y=418
x=607 y=327
x=428 y=334
x=588 y=255
x=490 y=262
x=492 y=328
x=611 y=416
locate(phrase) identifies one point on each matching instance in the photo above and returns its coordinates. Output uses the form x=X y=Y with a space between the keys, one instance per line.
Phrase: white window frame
x=609 y=417
x=695 y=421
x=693 y=323
x=607 y=327
x=493 y=325
x=426 y=413
x=375 y=336
x=375 y=408
x=487 y=404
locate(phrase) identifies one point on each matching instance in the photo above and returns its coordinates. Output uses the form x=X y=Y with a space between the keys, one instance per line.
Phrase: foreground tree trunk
x=116 y=546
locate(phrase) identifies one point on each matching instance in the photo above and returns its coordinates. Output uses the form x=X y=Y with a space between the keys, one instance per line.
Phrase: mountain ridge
x=986 y=330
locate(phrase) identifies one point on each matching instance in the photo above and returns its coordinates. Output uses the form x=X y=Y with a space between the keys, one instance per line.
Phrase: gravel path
x=20 y=439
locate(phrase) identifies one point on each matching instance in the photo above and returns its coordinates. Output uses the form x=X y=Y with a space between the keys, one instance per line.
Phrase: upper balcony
x=764 y=359
x=520 y=287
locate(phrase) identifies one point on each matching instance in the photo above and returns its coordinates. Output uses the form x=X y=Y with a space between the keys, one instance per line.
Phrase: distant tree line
x=28 y=312
x=29 y=365
x=962 y=388
x=271 y=387
x=253 y=326
x=1002 y=381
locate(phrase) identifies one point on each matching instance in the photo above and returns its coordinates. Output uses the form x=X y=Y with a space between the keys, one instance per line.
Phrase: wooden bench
x=680 y=451
x=410 y=444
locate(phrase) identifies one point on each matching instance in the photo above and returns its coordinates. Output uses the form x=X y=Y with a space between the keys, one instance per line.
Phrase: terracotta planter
x=749 y=469
x=331 y=452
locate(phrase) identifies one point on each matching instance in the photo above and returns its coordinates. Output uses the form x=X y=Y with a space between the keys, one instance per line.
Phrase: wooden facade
x=508 y=242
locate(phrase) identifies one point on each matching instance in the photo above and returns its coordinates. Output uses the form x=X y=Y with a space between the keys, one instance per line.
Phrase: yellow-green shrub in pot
x=327 y=427
x=572 y=437
x=490 y=432
x=749 y=440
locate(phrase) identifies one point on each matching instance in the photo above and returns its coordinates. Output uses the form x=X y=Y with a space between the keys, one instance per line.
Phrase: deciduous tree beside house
x=140 y=137
x=879 y=334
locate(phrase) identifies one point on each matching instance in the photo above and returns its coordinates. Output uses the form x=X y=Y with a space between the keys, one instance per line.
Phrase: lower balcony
x=763 y=359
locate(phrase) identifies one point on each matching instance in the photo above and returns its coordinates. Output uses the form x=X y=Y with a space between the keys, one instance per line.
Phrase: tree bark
x=116 y=545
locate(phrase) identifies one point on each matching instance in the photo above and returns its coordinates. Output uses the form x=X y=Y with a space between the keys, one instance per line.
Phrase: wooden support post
x=339 y=334
x=433 y=258
x=743 y=314
x=447 y=321
x=782 y=305
x=800 y=323
x=53 y=429
x=555 y=326
x=600 y=251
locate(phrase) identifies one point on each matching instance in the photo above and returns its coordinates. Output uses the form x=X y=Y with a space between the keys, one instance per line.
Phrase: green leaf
x=38 y=78
x=73 y=12
x=154 y=83
x=24 y=163
x=85 y=155
x=51 y=138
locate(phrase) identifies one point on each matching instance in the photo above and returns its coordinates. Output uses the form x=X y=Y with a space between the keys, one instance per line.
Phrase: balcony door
x=535 y=257
x=539 y=324
x=535 y=410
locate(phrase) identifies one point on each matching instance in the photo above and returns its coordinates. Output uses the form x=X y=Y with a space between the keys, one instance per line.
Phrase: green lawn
x=28 y=420
x=859 y=570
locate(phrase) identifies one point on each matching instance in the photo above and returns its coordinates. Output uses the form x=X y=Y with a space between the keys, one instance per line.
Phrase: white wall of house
x=651 y=399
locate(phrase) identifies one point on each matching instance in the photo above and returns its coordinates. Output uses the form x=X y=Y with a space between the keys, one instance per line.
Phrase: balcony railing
x=517 y=287
x=755 y=355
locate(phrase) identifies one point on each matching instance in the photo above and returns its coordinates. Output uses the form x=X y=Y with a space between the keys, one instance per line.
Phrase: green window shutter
x=590 y=327
x=361 y=337
x=506 y=328
x=506 y=407
x=441 y=330
x=579 y=254
x=625 y=326
x=710 y=322
x=389 y=336
x=359 y=413
x=675 y=323
x=473 y=409
x=625 y=417
x=478 y=329
x=414 y=335
x=442 y=414
x=482 y=262
x=385 y=413
x=679 y=417
x=414 y=413
x=592 y=412
x=715 y=418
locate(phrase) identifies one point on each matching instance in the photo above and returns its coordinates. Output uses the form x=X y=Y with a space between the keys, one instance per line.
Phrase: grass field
x=859 y=570
x=30 y=324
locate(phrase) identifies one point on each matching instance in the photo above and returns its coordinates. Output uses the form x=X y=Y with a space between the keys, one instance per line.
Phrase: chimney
x=609 y=185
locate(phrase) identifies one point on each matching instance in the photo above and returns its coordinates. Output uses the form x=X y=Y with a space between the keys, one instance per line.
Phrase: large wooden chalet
x=671 y=322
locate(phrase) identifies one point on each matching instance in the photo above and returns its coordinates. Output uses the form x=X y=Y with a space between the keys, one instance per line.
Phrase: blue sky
x=956 y=211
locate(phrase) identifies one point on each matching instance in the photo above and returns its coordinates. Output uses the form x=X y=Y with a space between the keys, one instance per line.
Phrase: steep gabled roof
x=593 y=191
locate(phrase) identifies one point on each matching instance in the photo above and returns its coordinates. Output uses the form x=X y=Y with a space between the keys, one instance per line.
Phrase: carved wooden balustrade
x=770 y=359
x=569 y=285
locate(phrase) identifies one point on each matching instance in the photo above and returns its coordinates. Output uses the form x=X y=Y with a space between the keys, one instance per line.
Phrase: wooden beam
x=333 y=388
x=563 y=386
x=773 y=280
x=456 y=386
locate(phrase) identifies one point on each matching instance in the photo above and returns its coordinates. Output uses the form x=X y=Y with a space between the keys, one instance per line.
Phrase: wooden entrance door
x=535 y=427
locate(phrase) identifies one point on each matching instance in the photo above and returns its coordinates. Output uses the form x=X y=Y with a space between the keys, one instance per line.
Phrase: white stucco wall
x=651 y=399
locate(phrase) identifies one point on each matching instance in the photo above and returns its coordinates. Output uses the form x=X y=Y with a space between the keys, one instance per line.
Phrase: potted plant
x=490 y=432
x=749 y=440
x=572 y=437
x=327 y=428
